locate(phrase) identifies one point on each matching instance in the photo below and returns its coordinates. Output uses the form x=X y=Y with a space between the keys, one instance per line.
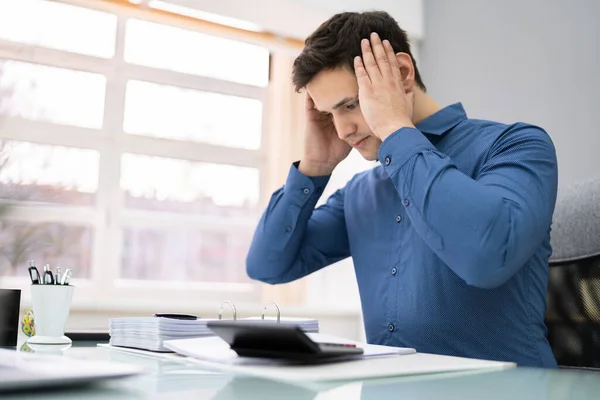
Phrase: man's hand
x=383 y=101
x=323 y=149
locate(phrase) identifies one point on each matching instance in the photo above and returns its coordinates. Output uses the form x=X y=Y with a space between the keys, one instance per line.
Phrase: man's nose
x=345 y=128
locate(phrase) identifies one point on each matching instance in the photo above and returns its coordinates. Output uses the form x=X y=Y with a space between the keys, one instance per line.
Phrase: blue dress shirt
x=449 y=236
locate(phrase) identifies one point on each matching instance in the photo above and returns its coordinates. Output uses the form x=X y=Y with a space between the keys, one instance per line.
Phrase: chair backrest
x=573 y=303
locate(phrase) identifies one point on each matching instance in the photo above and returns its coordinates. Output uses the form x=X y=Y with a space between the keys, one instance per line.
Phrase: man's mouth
x=359 y=143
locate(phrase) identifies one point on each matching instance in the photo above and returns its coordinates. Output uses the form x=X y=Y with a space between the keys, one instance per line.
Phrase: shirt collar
x=443 y=120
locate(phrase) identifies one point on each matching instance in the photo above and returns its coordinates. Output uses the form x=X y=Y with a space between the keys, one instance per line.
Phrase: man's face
x=335 y=92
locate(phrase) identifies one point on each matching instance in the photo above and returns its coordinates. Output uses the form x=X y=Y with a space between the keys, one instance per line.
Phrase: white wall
x=535 y=61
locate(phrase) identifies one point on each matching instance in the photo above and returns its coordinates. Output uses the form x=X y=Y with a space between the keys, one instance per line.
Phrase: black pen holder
x=10 y=303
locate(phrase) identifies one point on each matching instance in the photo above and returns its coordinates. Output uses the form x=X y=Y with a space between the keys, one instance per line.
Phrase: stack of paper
x=149 y=333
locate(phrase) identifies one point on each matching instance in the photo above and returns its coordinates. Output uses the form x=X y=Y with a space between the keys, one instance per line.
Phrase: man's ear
x=407 y=70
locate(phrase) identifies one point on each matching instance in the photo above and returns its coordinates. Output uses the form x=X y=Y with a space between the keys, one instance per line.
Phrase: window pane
x=184 y=114
x=184 y=255
x=165 y=184
x=54 y=174
x=58 y=26
x=59 y=245
x=160 y=46
x=52 y=94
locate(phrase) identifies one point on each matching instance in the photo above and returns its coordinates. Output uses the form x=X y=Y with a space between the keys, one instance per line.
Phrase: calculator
x=266 y=339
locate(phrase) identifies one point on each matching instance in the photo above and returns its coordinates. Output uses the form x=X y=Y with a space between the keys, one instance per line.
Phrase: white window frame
x=108 y=216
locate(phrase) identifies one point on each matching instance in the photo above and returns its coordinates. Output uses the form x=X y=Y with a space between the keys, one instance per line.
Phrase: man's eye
x=352 y=106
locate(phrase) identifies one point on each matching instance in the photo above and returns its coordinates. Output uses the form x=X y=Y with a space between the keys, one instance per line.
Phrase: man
x=449 y=235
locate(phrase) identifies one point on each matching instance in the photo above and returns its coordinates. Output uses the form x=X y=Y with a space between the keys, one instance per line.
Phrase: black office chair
x=573 y=302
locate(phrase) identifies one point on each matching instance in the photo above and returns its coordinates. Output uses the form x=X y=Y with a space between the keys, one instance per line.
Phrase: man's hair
x=337 y=41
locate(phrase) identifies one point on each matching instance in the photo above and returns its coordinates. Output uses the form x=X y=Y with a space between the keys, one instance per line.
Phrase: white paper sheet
x=217 y=350
x=380 y=362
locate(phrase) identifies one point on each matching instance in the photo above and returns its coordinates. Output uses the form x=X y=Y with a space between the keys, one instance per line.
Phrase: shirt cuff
x=400 y=147
x=301 y=187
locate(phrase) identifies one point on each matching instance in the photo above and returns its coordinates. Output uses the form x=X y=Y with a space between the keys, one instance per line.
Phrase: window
x=58 y=26
x=180 y=50
x=48 y=174
x=155 y=183
x=59 y=245
x=52 y=94
x=150 y=254
x=182 y=114
x=131 y=152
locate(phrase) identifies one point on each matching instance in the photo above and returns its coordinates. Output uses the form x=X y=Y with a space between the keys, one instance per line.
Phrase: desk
x=177 y=379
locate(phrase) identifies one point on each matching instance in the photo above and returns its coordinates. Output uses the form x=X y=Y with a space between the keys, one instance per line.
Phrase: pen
x=48 y=277
x=177 y=316
x=66 y=277
x=57 y=276
x=34 y=273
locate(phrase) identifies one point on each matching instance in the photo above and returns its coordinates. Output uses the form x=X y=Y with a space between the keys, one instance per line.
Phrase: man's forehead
x=331 y=88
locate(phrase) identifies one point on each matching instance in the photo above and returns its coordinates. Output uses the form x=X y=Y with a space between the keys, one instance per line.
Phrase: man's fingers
x=369 y=60
x=395 y=67
x=361 y=73
x=381 y=57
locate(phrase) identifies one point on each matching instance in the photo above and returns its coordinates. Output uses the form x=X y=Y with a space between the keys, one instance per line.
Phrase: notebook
x=150 y=333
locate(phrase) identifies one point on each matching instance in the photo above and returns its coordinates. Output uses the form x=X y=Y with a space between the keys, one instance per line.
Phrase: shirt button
x=406 y=202
x=398 y=218
x=306 y=191
x=288 y=228
x=388 y=160
x=393 y=271
x=391 y=327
